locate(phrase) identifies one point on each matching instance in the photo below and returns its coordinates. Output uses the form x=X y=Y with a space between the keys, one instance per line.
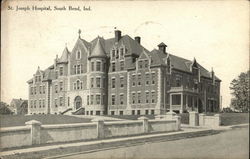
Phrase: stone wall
x=34 y=133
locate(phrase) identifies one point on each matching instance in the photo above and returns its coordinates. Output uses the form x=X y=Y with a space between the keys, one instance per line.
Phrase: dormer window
x=78 y=56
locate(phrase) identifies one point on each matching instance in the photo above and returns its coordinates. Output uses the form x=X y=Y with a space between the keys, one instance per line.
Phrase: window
x=121 y=99
x=43 y=89
x=122 y=65
x=78 y=84
x=178 y=80
x=153 y=78
x=56 y=88
x=61 y=71
x=139 y=79
x=133 y=80
x=133 y=98
x=104 y=67
x=61 y=101
x=133 y=112
x=176 y=99
x=56 y=74
x=92 y=99
x=92 y=66
x=74 y=69
x=68 y=101
x=81 y=68
x=146 y=63
x=78 y=71
x=78 y=54
x=147 y=78
x=40 y=103
x=122 y=53
x=87 y=99
x=113 y=67
x=103 y=99
x=61 y=86
x=140 y=64
x=98 y=99
x=117 y=54
x=152 y=112
x=146 y=112
x=138 y=112
x=98 y=66
x=40 y=89
x=153 y=97
x=113 y=54
x=147 y=97
x=121 y=112
x=139 y=97
x=121 y=82
x=74 y=86
x=92 y=82
x=98 y=82
x=34 y=103
x=34 y=90
x=113 y=99
x=113 y=82
x=31 y=104
x=31 y=90
x=112 y=112
x=55 y=102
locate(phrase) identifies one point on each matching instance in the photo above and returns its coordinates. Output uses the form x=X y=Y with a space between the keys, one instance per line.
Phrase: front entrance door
x=78 y=102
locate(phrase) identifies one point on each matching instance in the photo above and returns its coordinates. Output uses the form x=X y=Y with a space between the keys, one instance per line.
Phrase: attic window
x=78 y=55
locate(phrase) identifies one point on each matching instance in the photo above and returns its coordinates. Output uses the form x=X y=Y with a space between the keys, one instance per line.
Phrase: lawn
x=234 y=118
x=19 y=120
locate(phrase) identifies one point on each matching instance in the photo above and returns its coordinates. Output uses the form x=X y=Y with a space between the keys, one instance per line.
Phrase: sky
x=216 y=33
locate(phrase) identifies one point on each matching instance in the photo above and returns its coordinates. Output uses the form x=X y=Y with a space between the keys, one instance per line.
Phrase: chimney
x=138 y=39
x=118 y=35
x=162 y=47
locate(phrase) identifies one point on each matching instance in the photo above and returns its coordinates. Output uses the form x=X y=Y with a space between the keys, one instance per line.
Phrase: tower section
x=97 y=79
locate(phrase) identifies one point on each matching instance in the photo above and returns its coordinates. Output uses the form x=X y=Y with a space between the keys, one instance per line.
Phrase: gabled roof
x=18 y=102
x=179 y=63
x=162 y=44
x=65 y=55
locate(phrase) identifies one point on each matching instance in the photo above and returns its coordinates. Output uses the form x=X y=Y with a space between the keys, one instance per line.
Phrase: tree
x=240 y=90
x=4 y=108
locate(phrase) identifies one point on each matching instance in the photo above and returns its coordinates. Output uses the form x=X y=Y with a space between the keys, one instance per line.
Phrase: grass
x=234 y=118
x=130 y=117
x=19 y=120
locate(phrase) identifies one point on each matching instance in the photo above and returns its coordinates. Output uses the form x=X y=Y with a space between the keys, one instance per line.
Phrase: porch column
x=170 y=103
x=181 y=111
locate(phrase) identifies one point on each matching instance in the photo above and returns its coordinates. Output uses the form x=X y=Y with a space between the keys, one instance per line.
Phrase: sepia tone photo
x=124 y=79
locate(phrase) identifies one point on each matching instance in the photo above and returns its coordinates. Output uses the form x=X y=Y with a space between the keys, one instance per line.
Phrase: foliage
x=240 y=90
x=4 y=108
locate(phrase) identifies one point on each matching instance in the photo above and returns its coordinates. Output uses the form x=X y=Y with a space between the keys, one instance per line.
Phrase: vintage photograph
x=124 y=79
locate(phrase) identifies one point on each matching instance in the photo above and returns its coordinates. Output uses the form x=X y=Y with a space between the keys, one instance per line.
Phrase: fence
x=34 y=133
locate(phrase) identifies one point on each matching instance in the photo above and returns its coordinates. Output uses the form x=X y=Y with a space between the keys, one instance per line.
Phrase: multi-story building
x=119 y=76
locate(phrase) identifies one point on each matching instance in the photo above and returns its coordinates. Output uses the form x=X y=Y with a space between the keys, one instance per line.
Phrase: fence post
x=193 y=119
x=170 y=115
x=144 y=124
x=202 y=119
x=99 y=128
x=178 y=122
x=35 y=131
x=217 y=120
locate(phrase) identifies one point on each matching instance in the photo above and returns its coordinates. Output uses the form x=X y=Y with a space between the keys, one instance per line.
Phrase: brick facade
x=119 y=76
